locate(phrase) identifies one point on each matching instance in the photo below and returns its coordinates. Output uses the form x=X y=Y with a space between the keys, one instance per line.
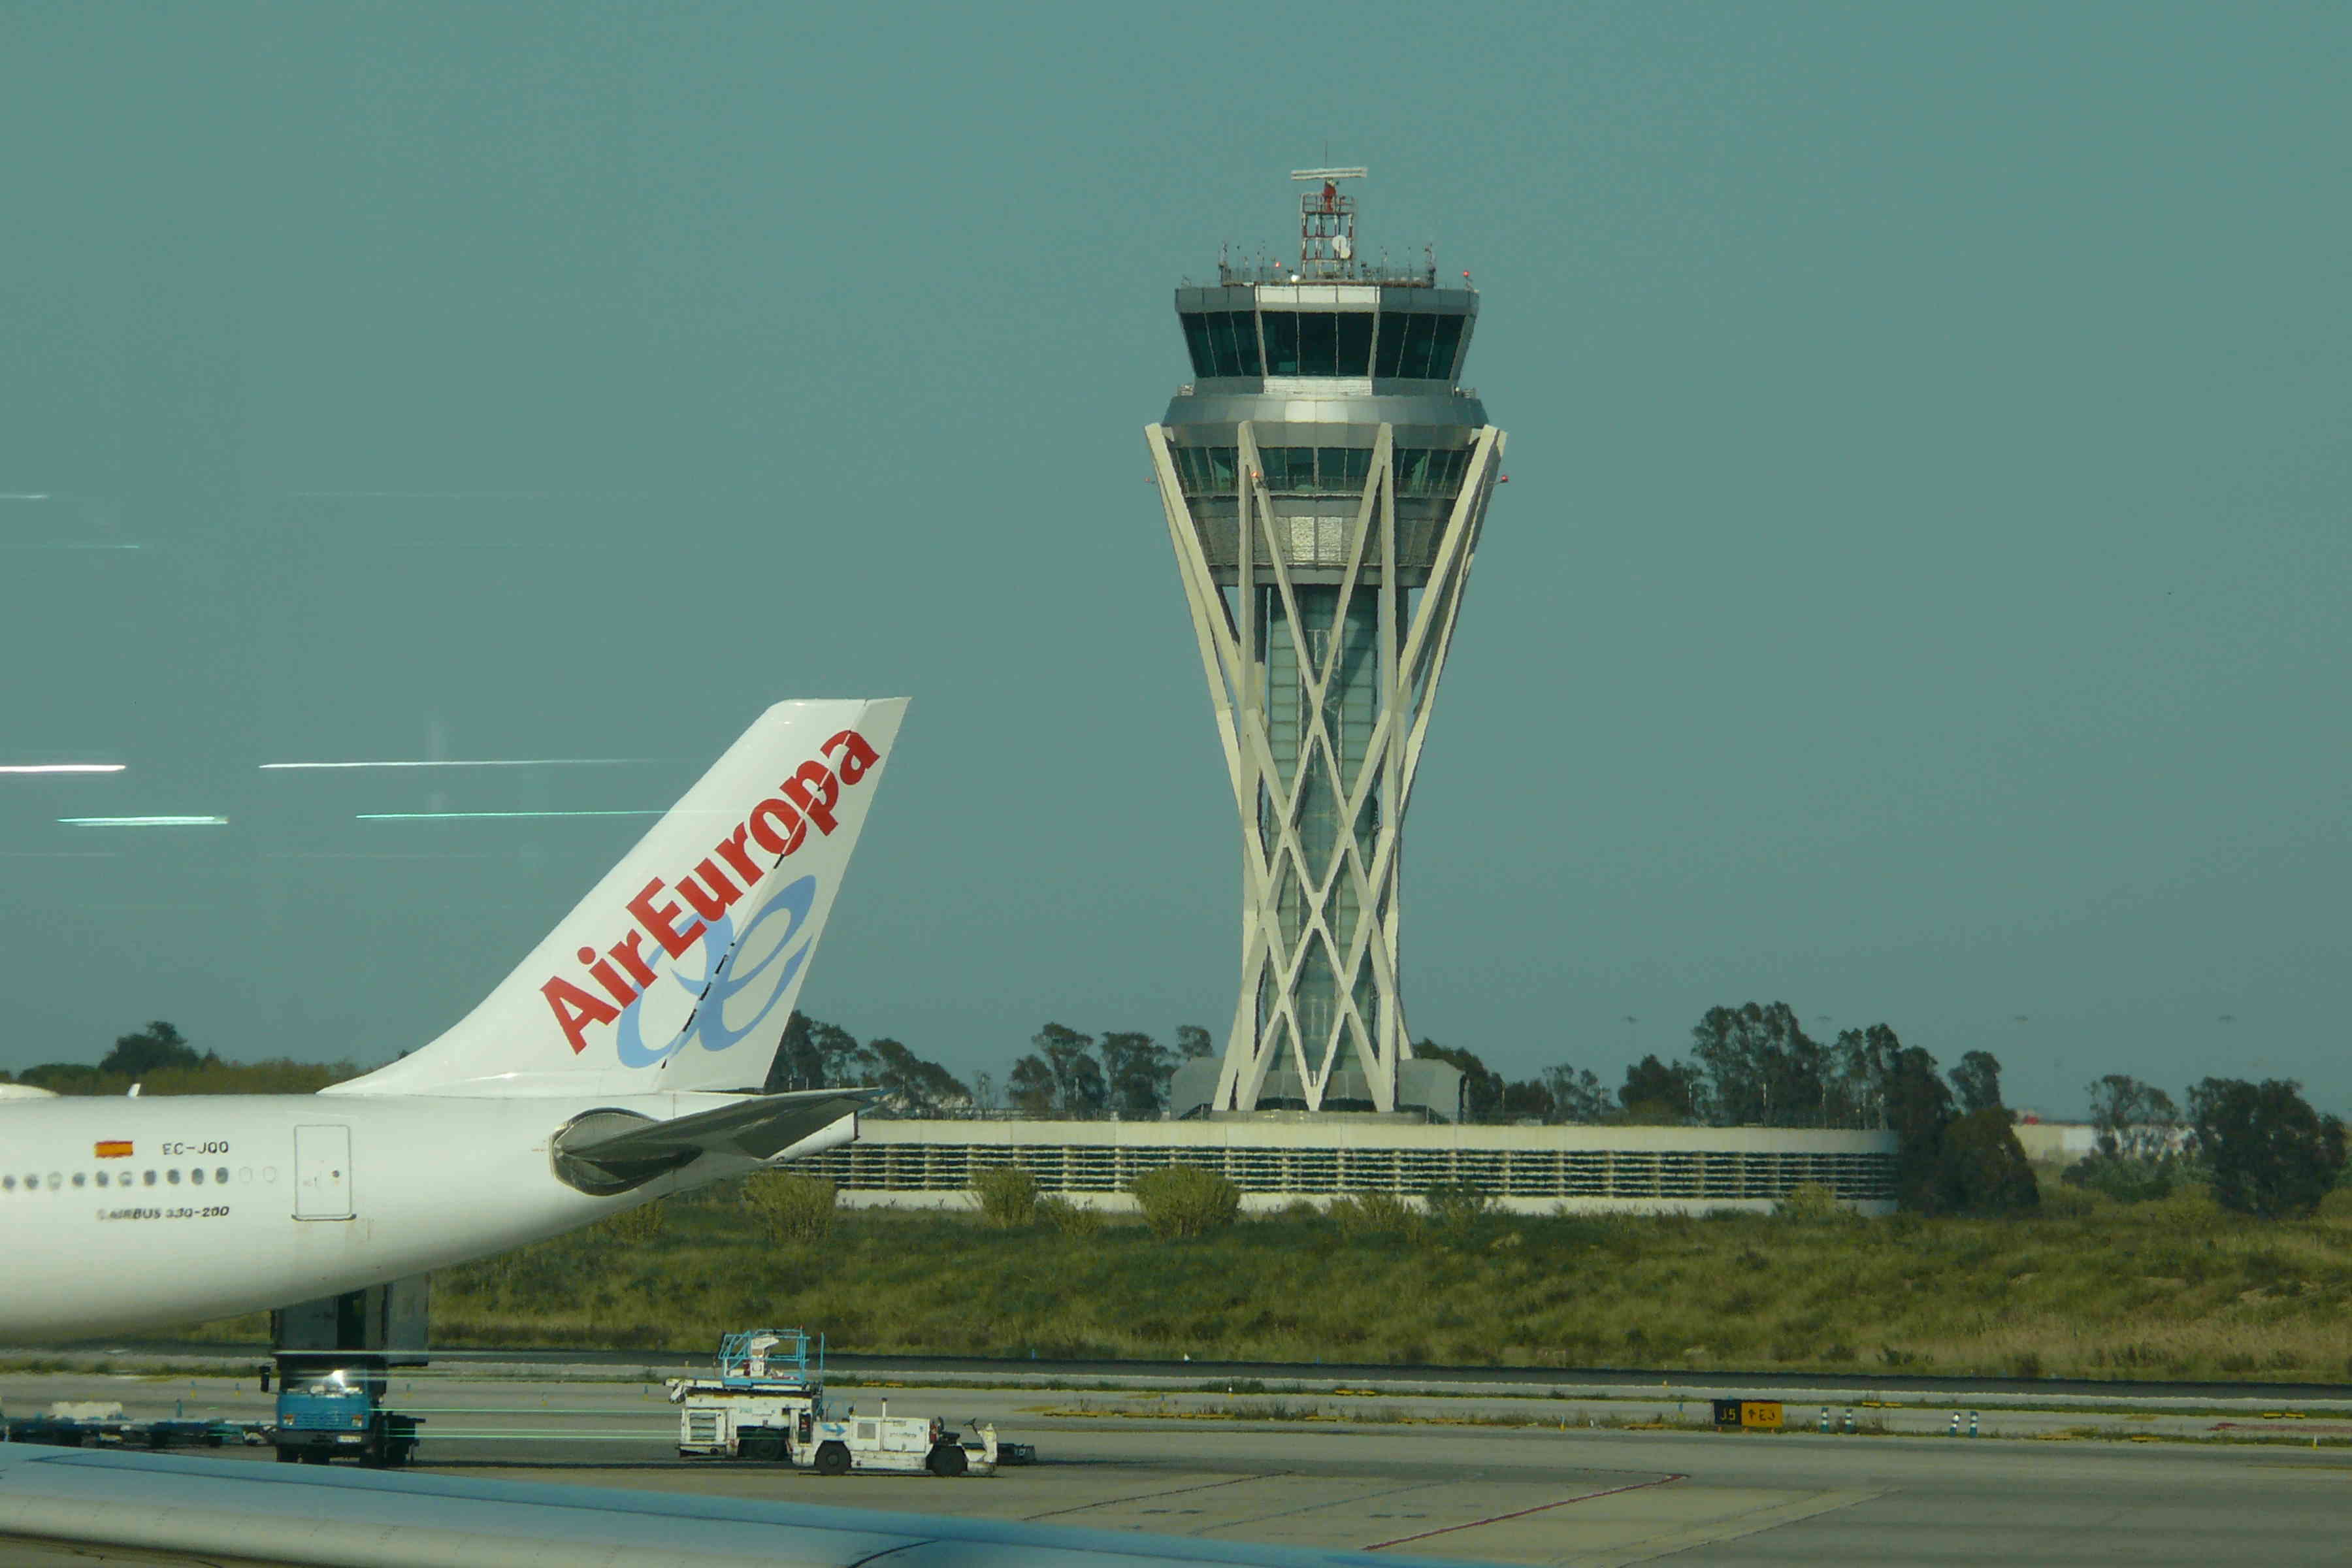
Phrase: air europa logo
x=626 y=972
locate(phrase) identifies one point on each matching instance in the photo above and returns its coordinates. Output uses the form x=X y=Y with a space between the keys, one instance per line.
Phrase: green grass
x=2164 y=1290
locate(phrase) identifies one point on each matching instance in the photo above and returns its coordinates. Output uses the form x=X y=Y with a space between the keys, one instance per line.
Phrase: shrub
x=791 y=1208
x=2336 y=1204
x=1069 y=1218
x=2189 y=1202
x=1456 y=1206
x=1180 y=1201
x=2063 y=1202
x=637 y=1227
x=2125 y=1179
x=1810 y=1202
x=1007 y=1196
x=1372 y=1213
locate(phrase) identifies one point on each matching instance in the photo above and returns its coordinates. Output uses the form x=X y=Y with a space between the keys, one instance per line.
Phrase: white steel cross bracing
x=1409 y=655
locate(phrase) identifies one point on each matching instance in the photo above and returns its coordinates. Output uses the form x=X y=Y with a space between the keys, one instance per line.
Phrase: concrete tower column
x=1325 y=478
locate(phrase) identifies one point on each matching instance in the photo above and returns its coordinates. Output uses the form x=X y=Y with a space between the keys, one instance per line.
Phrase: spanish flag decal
x=113 y=1149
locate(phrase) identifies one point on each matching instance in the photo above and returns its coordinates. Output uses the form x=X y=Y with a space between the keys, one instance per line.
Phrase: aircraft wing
x=367 y=1519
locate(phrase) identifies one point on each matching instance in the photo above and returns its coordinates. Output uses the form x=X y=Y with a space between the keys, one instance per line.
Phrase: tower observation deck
x=1325 y=476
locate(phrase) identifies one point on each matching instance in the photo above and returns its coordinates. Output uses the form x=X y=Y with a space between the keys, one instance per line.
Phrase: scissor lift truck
x=764 y=1402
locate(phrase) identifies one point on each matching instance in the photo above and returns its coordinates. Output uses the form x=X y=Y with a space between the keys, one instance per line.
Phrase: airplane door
x=322 y=1172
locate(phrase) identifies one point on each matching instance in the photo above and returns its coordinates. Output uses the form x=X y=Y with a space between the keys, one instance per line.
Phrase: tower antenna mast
x=1326 y=223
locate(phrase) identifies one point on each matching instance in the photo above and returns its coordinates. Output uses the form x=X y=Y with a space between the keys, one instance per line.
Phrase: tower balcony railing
x=1268 y=270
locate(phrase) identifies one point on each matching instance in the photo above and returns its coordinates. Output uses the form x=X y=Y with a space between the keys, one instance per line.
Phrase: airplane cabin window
x=101 y=1178
x=56 y=1181
x=7 y=1184
x=80 y=1178
x=244 y=1174
x=197 y=1175
x=268 y=1173
x=173 y=1175
x=221 y=1175
x=151 y=1178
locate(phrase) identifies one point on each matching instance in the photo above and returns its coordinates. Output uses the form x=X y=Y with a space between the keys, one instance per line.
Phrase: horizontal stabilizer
x=609 y=1152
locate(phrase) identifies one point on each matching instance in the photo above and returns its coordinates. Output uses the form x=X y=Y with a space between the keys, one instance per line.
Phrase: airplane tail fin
x=679 y=970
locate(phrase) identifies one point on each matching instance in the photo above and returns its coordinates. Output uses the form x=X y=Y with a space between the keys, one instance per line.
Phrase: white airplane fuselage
x=125 y=1212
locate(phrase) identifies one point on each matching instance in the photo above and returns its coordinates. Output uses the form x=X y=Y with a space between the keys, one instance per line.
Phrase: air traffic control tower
x=1325 y=476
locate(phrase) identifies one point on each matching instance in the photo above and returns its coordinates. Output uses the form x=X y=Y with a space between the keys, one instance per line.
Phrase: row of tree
x=160 y=1060
x=1066 y=1074
x=1956 y=1151
x=2259 y=1147
x=1752 y=1066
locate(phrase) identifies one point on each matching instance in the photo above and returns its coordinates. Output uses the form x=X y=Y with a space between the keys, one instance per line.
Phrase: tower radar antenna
x=1326 y=223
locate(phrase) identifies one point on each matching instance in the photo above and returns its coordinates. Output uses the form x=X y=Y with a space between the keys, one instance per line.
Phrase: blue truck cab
x=332 y=1406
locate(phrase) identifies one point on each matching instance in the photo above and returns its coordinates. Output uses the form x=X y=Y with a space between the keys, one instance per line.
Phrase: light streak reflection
x=466 y=762
x=478 y=815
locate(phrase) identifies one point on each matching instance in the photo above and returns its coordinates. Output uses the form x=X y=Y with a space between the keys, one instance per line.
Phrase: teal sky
x=1920 y=594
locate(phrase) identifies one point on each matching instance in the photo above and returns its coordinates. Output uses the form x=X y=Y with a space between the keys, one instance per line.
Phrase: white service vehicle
x=901 y=1444
x=766 y=1402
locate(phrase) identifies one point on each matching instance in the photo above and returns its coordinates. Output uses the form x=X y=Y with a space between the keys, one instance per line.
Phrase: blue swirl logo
x=725 y=978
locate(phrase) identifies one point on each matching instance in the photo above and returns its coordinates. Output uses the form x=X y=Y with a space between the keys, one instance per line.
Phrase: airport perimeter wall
x=1529 y=1170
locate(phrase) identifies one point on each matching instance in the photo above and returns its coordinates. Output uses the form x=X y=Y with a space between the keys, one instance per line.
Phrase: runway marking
x=1750 y=1521
x=1522 y=1513
x=1322 y=1503
x=1171 y=1491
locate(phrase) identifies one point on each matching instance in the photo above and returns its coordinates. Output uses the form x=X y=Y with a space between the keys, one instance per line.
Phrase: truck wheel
x=832 y=1460
x=948 y=1460
x=288 y=1455
x=762 y=1448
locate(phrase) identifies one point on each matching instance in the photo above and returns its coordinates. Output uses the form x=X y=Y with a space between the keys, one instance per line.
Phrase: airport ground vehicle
x=903 y=1443
x=330 y=1404
x=92 y=1423
x=762 y=1403
x=766 y=1402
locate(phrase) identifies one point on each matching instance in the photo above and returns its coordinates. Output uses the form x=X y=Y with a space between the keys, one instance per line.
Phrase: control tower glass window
x=1356 y=343
x=1318 y=342
x=1206 y=470
x=1222 y=342
x=1316 y=470
x=1443 y=342
x=1419 y=347
x=1423 y=471
x=1282 y=342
